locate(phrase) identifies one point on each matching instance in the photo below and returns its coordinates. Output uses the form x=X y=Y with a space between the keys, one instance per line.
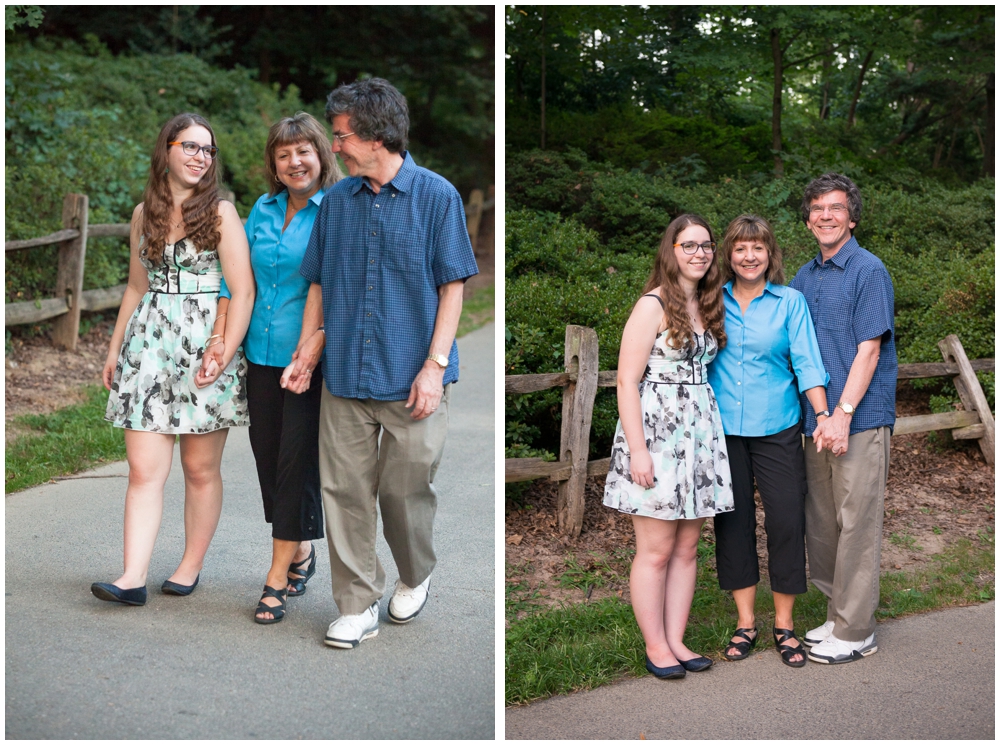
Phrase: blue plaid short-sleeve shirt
x=380 y=259
x=850 y=299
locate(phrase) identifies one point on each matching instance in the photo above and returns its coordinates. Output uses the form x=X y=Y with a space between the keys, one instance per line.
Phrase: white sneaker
x=835 y=651
x=347 y=632
x=818 y=634
x=407 y=602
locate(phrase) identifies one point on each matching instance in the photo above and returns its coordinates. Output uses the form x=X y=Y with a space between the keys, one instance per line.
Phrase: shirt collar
x=842 y=256
x=282 y=198
x=401 y=182
x=776 y=290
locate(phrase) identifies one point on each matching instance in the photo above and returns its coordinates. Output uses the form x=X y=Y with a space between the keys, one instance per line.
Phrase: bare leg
x=654 y=543
x=201 y=456
x=681 y=576
x=745 y=598
x=783 y=607
x=282 y=554
x=149 y=455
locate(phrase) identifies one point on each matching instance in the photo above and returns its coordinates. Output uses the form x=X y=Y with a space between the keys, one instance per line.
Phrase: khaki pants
x=844 y=509
x=359 y=470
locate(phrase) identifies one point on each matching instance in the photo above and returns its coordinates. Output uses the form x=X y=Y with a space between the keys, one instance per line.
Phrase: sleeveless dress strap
x=658 y=299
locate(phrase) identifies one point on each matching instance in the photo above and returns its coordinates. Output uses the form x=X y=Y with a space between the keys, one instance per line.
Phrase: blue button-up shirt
x=380 y=259
x=753 y=376
x=276 y=322
x=850 y=299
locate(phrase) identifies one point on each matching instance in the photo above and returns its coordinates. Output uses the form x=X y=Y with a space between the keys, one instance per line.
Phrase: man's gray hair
x=833 y=182
x=376 y=109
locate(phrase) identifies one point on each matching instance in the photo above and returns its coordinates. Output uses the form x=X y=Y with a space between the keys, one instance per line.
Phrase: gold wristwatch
x=440 y=359
x=846 y=408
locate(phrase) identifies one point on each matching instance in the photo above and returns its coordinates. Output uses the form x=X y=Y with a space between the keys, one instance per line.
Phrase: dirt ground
x=936 y=494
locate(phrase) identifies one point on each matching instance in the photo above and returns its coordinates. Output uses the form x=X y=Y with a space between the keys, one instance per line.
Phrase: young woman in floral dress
x=183 y=240
x=669 y=467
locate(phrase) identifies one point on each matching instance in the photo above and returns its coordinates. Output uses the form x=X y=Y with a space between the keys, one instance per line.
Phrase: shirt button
x=739 y=383
x=376 y=206
x=739 y=403
x=367 y=341
x=372 y=261
x=265 y=331
x=370 y=287
x=269 y=307
x=274 y=285
x=369 y=314
x=374 y=233
x=739 y=363
x=393 y=196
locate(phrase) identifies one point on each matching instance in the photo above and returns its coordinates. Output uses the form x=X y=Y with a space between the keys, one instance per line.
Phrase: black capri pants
x=777 y=464
x=284 y=436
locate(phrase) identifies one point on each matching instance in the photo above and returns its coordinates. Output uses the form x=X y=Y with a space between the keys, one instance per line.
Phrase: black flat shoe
x=788 y=652
x=696 y=664
x=298 y=584
x=173 y=588
x=114 y=594
x=665 y=673
x=744 y=646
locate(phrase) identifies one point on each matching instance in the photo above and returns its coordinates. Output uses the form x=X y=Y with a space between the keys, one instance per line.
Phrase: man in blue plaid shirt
x=388 y=258
x=850 y=298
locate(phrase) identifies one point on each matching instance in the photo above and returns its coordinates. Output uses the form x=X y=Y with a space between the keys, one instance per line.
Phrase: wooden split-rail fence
x=582 y=378
x=70 y=299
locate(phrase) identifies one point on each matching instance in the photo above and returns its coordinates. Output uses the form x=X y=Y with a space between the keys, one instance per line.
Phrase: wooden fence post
x=970 y=391
x=578 y=409
x=475 y=215
x=69 y=275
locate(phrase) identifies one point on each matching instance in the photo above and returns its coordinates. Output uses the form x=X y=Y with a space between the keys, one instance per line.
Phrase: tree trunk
x=544 y=45
x=857 y=88
x=777 y=55
x=824 y=111
x=989 y=137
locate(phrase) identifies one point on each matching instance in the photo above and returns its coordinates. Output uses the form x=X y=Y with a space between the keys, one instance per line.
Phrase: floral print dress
x=153 y=387
x=684 y=436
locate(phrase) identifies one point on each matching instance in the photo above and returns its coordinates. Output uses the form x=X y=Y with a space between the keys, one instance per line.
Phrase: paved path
x=932 y=678
x=199 y=667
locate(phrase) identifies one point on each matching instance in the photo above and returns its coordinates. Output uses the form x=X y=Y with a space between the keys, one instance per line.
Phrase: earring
x=167 y=169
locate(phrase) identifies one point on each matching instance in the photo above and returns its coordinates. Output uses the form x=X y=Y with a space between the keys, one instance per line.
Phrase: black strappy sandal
x=278 y=611
x=742 y=647
x=298 y=584
x=784 y=635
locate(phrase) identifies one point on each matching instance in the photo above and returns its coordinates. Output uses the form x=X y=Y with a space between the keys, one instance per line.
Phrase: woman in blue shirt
x=772 y=355
x=284 y=431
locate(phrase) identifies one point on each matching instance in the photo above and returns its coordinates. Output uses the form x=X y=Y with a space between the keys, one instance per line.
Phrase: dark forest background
x=88 y=87
x=619 y=118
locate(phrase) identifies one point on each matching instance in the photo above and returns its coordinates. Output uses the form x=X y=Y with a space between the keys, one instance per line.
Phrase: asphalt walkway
x=932 y=678
x=199 y=667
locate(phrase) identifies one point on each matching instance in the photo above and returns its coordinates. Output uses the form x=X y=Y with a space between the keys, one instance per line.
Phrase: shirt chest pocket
x=836 y=308
x=404 y=252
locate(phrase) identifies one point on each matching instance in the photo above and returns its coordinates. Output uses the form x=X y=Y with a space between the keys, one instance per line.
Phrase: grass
x=583 y=646
x=63 y=442
x=477 y=310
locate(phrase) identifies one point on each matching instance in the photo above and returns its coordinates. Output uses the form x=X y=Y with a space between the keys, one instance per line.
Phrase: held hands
x=642 y=468
x=297 y=377
x=832 y=432
x=212 y=365
x=426 y=391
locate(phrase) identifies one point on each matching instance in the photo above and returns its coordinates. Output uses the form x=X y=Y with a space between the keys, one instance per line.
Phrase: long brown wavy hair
x=200 y=210
x=665 y=273
x=752 y=229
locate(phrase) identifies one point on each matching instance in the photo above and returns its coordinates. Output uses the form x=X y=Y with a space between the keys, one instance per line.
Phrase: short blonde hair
x=302 y=127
